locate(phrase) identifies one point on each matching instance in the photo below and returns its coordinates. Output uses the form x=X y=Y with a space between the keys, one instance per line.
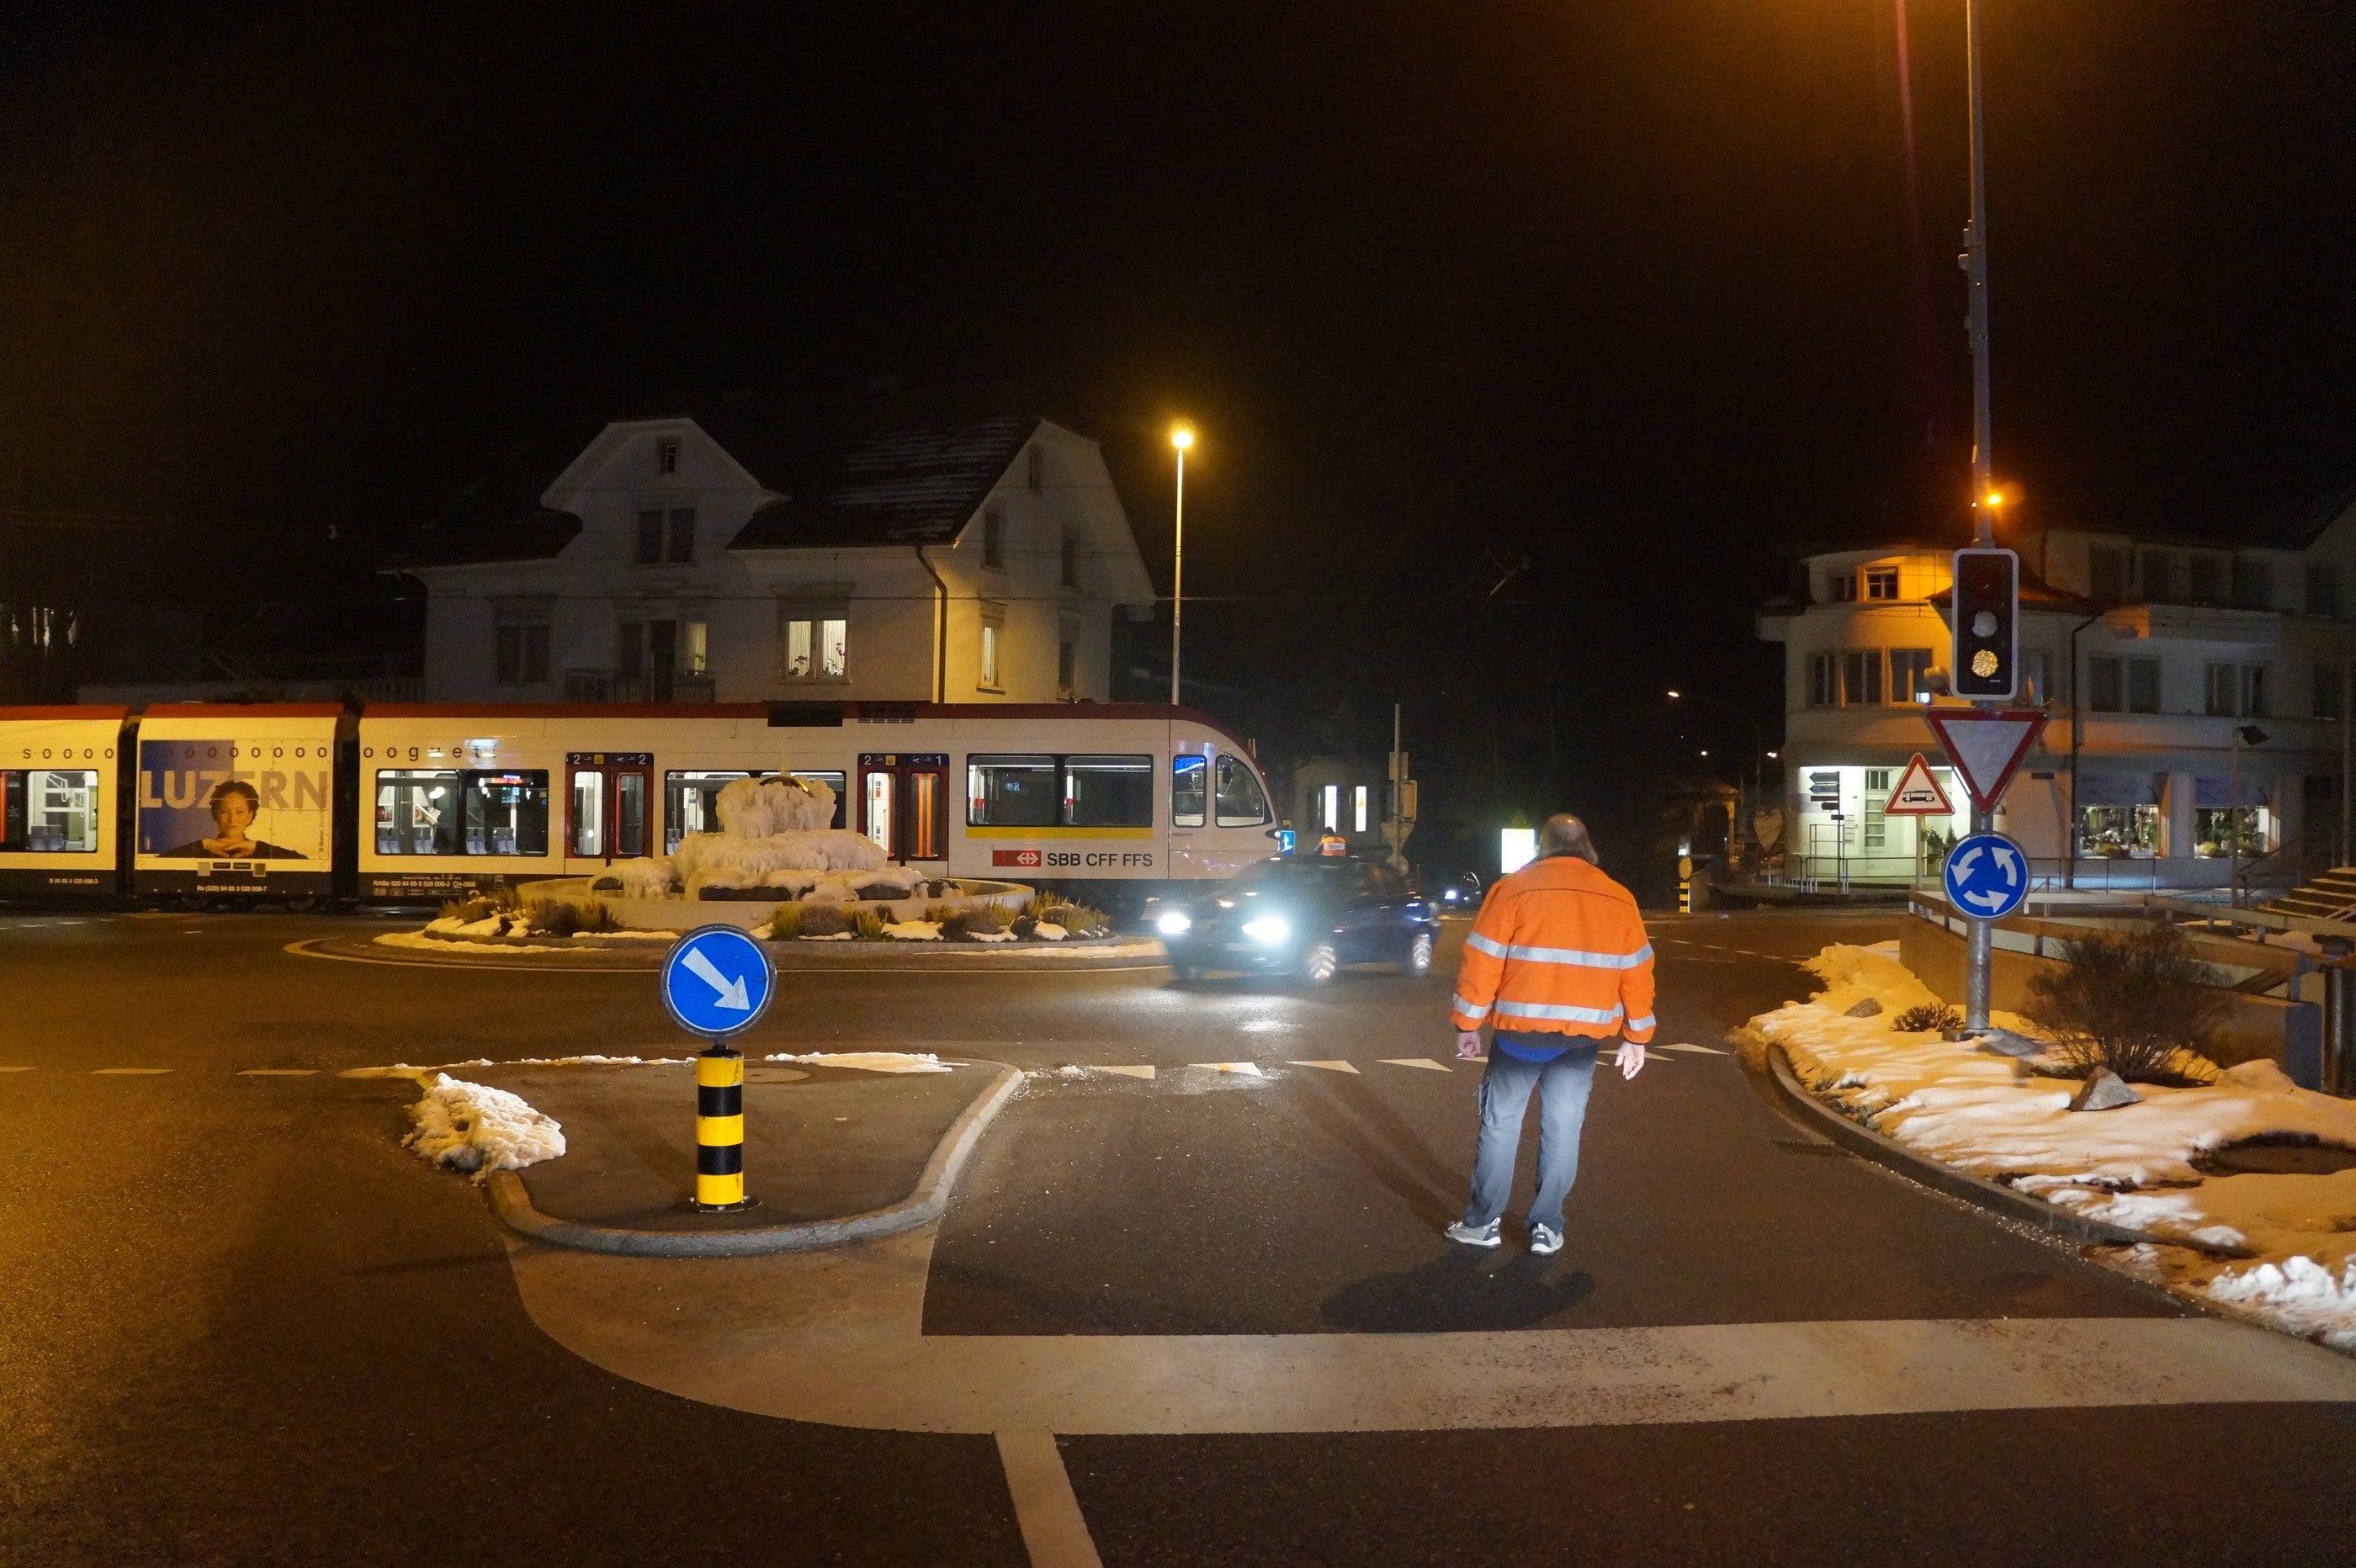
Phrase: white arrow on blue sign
x=717 y=981
x=1986 y=876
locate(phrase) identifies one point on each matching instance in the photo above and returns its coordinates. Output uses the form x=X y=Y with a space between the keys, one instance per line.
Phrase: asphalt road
x=238 y=1323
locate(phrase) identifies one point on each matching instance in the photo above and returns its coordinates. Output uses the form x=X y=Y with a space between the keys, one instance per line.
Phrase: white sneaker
x=1545 y=1241
x=1477 y=1235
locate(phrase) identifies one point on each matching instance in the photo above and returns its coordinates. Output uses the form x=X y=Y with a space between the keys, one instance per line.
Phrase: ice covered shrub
x=1930 y=1016
x=818 y=920
x=964 y=924
x=2130 y=1001
x=868 y=924
x=1081 y=920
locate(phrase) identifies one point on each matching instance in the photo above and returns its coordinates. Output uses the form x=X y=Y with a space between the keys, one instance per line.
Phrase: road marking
x=15 y=1068
x=1054 y=1531
x=837 y=1338
x=1330 y=1066
x=276 y=1071
x=127 y=1072
x=1248 y=1069
x=1695 y=1049
x=1412 y=1061
x=1129 y=1072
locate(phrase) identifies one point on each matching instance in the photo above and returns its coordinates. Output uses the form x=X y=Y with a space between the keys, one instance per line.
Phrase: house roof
x=899 y=487
x=535 y=535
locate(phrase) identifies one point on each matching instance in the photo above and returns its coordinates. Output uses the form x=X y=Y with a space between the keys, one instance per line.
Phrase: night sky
x=1524 y=340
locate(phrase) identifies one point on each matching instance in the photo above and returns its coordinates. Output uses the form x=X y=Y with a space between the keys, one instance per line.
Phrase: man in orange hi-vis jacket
x=1557 y=962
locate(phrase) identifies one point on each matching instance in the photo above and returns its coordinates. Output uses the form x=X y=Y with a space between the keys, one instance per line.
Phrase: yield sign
x=1987 y=746
x=1918 y=794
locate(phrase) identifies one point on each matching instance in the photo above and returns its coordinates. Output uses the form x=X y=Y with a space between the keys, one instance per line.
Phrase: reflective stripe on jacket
x=1557 y=948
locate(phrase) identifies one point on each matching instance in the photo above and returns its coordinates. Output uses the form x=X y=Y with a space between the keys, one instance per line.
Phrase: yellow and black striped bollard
x=720 y=1130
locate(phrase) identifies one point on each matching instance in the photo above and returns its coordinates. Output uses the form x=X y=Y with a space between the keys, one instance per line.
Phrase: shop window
x=2222 y=832
x=1909 y=674
x=1823 y=678
x=1012 y=792
x=1879 y=582
x=1108 y=792
x=1241 y=802
x=1861 y=677
x=48 y=811
x=1190 y=785
x=2118 y=832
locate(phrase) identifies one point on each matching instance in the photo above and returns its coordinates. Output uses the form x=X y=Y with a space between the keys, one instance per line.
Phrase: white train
x=413 y=803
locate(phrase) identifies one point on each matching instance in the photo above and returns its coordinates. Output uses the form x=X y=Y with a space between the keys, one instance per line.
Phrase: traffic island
x=831 y=1155
x=637 y=954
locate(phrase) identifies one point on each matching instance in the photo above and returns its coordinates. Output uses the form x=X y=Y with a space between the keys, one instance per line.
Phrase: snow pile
x=474 y=1128
x=647 y=878
x=424 y=944
x=914 y=930
x=1987 y=1113
x=759 y=808
x=871 y=1061
x=2299 y=1294
x=1048 y=931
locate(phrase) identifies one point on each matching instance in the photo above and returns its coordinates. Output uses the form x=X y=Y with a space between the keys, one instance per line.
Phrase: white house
x=2194 y=690
x=982 y=563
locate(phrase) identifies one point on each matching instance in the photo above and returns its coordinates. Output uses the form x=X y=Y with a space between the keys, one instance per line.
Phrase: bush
x=2131 y=1002
x=820 y=920
x=868 y=924
x=964 y=924
x=555 y=917
x=786 y=923
x=1940 y=1017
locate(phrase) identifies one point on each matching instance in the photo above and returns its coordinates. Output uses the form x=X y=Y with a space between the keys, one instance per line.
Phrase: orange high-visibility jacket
x=1559 y=948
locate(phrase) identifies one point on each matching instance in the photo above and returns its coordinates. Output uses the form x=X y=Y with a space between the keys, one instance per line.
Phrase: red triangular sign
x=1918 y=794
x=1986 y=747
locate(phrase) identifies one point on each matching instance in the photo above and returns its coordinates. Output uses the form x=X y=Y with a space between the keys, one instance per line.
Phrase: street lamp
x=1180 y=437
x=1974 y=261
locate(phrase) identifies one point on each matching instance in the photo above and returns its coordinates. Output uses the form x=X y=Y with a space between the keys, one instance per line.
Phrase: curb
x=847 y=958
x=1992 y=1196
x=512 y=1202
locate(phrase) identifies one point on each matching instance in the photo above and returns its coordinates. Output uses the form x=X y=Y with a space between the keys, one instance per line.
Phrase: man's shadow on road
x=1453 y=1293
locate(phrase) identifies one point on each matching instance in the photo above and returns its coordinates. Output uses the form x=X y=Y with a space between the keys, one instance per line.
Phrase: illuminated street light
x=1182 y=436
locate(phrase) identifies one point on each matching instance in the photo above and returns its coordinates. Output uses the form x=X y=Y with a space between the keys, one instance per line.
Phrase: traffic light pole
x=1980 y=953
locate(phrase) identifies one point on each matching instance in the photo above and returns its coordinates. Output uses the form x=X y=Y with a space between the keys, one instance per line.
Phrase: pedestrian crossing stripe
x=276 y=1071
x=1413 y=1062
x=1248 y=1069
x=1129 y=1072
x=1695 y=1049
x=127 y=1072
x=15 y=1068
x=1330 y=1066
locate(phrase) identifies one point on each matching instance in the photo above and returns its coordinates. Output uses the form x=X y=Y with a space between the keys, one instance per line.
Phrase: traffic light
x=1987 y=665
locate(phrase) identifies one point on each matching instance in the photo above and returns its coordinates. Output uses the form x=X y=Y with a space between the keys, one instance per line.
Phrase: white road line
x=127 y=1072
x=1330 y=1066
x=1412 y=1061
x=837 y=1338
x=277 y=1071
x=1054 y=1531
x=1695 y=1049
x=1130 y=1071
x=1248 y=1069
x=15 y=1068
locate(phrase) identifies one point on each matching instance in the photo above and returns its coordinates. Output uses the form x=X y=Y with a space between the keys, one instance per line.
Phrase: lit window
x=1358 y=807
x=1882 y=583
x=797 y=649
x=48 y=811
x=1188 y=791
x=1330 y=817
x=833 y=648
x=698 y=644
x=993 y=638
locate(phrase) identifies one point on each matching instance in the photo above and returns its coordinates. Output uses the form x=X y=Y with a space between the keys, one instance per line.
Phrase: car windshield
x=1314 y=879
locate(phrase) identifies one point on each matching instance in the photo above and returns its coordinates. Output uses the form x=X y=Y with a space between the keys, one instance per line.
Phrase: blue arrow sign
x=717 y=981
x=1986 y=876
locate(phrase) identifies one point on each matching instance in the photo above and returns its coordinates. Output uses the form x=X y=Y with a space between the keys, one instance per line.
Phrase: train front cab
x=238 y=803
x=61 y=833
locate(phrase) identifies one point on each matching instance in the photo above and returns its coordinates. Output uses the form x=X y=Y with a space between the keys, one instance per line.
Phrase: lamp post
x=1180 y=437
x=1974 y=261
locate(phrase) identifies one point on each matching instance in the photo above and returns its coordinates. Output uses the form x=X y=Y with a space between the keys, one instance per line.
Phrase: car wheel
x=1319 y=963
x=1419 y=955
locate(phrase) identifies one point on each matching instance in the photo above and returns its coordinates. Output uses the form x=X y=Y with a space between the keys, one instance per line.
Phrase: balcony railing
x=656 y=685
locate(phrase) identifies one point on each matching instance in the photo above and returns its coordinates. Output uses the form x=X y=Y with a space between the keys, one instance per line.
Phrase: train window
x=691 y=804
x=1011 y=791
x=506 y=813
x=1108 y=792
x=1241 y=803
x=48 y=811
x=1190 y=779
x=416 y=811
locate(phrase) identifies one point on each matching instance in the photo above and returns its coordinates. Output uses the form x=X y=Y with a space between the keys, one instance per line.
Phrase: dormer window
x=1881 y=581
x=666 y=455
x=1840 y=588
x=993 y=538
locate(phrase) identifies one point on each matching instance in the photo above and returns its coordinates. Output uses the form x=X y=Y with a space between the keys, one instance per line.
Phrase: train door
x=903 y=804
x=609 y=813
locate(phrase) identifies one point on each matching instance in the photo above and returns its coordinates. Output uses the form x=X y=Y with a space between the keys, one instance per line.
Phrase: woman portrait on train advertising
x=234 y=803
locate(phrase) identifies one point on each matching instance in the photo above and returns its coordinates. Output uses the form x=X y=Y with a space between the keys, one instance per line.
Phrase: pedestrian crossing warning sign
x=1917 y=794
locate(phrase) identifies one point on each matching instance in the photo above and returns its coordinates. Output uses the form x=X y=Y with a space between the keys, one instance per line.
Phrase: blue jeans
x=1562 y=1085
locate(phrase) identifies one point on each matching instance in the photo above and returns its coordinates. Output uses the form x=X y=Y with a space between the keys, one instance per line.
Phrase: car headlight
x=1177 y=923
x=1266 y=928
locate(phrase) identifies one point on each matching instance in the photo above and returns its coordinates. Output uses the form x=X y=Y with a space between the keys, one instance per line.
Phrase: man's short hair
x=1566 y=834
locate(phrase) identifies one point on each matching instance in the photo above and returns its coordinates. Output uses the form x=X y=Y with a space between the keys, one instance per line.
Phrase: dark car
x=1303 y=916
x=1459 y=895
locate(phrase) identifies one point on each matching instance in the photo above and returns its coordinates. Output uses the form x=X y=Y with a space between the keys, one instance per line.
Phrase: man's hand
x=1468 y=1044
x=1631 y=1060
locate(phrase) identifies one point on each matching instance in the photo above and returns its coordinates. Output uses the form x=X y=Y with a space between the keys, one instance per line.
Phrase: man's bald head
x=1566 y=834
